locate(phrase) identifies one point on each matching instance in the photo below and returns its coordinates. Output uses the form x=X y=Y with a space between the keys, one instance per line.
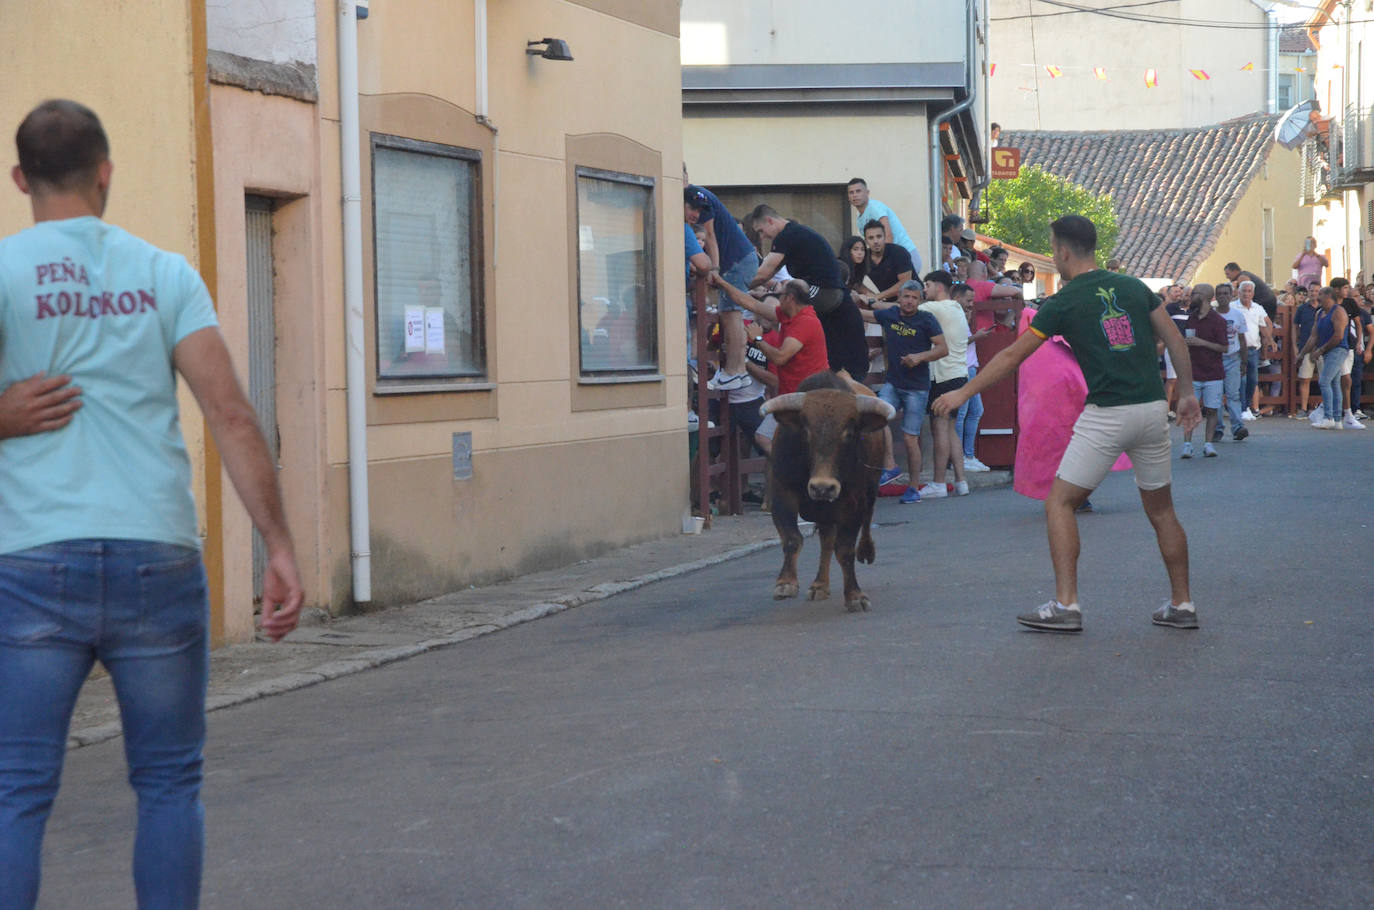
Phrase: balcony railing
x=1316 y=172
x=1352 y=149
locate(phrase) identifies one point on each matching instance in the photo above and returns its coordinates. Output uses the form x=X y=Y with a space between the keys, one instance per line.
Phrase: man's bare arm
x=767 y=269
x=203 y=360
x=38 y=404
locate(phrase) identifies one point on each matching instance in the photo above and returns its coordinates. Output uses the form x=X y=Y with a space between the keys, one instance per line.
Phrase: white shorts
x=1310 y=366
x=1349 y=363
x=1100 y=436
x=1169 y=371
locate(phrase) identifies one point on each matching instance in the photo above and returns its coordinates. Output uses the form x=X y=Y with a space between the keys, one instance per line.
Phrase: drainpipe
x=977 y=202
x=936 y=159
x=484 y=118
x=1271 y=19
x=350 y=155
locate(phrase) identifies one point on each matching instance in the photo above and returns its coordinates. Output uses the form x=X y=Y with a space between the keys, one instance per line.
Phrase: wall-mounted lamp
x=551 y=49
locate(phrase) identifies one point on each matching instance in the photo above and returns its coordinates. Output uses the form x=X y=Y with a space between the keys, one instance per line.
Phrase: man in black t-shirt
x=1264 y=295
x=810 y=257
x=889 y=265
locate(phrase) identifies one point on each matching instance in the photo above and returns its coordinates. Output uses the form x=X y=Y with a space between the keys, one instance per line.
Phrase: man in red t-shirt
x=801 y=351
x=984 y=290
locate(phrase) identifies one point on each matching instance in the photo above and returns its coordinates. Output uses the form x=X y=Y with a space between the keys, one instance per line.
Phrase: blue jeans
x=1251 y=375
x=1231 y=363
x=967 y=417
x=142 y=610
x=1330 y=383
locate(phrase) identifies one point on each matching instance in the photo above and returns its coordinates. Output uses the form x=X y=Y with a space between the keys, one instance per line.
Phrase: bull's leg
x=854 y=599
x=785 y=521
x=867 y=552
x=820 y=588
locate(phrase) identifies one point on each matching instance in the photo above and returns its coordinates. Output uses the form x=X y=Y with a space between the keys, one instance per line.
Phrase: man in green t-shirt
x=1113 y=324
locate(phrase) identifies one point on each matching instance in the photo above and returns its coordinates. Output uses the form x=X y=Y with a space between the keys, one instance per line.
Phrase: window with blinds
x=618 y=303
x=427 y=248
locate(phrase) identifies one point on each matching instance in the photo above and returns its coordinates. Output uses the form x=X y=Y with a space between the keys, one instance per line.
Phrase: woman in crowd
x=854 y=263
x=1328 y=340
x=1309 y=263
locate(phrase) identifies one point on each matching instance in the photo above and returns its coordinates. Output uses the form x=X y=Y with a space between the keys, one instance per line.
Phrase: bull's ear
x=874 y=413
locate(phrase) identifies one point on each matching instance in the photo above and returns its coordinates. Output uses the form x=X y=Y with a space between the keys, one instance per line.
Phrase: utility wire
x=1148 y=19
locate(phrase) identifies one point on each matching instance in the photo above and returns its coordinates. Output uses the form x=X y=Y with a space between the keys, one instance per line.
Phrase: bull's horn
x=875 y=406
x=792 y=401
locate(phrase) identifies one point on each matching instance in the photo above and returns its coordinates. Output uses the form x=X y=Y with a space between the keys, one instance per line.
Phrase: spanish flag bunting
x=1248 y=68
x=1100 y=72
x=1054 y=71
x=1200 y=75
x=1151 y=79
x=992 y=69
x=1299 y=69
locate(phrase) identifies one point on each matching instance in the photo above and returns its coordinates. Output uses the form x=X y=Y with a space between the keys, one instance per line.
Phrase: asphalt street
x=695 y=744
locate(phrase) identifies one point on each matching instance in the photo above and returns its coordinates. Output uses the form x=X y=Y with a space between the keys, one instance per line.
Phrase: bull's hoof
x=866 y=552
x=857 y=602
x=817 y=591
x=784 y=589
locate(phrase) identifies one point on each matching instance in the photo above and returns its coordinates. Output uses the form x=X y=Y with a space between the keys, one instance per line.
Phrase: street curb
x=377 y=657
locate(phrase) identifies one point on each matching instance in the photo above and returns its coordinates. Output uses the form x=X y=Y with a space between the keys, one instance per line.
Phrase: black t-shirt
x=1354 y=325
x=895 y=261
x=1264 y=295
x=808 y=256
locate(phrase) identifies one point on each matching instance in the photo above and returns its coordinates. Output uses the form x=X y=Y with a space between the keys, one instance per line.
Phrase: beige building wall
x=767 y=150
x=1275 y=187
x=144 y=95
x=561 y=468
x=1025 y=97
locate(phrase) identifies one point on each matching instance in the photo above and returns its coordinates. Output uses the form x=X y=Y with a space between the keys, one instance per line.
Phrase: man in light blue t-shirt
x=99 y=543
x=868 y=209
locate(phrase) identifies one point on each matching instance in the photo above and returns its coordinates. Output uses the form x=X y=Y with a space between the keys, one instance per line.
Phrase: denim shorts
x=912 y=404
x=1209 y=392
x=739 y=276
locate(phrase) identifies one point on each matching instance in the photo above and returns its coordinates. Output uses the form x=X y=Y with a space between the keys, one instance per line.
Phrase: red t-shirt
x=812 y=358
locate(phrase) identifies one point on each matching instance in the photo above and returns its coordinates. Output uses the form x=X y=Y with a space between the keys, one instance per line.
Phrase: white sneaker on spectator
x=934 y=491
x=974 y=465
x=1317 y=415
x=1326 y=425
x=727 y=382
x=961 y=487
x=1351 y=423
x=1247 y=415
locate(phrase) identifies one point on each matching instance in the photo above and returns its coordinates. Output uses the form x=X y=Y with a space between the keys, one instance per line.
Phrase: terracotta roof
x=1293 y=39
x=1174 y=189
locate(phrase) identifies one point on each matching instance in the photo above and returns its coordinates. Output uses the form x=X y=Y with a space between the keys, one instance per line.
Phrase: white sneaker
x=1186 y=450
x=1326 y=425
x=974 y=465
x=727 y=382
x=1209 y=450
x=1351 y=423
x=934 y=491
x=961 y=488
x=1317 y=415
x=1247 y=415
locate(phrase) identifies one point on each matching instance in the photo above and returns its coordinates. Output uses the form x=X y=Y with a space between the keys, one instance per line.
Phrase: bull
x=826 y=460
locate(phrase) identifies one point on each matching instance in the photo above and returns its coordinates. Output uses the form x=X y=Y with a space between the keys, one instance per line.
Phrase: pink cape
x=1049 y=397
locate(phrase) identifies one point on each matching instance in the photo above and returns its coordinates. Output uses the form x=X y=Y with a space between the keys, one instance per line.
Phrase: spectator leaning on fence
x=1328 y=341
x=868 y=209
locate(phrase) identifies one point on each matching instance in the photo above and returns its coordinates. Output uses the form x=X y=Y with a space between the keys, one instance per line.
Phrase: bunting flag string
x=1248 y=68
x=1200 y=75
x=1101 y=73
x=1054 y=71
x=1151 y=79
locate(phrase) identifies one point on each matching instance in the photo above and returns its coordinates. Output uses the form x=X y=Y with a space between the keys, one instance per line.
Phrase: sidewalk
x=338 y=647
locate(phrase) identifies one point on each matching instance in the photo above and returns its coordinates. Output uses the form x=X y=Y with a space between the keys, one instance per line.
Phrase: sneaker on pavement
x=1180 y=616
x=1326 y=425
x=1361 y=415
x=1240 y=434
x=1052 y=616
x=934 y=491
x=1186 y=451
x=890 y=476
x=1298 y=413
x=1217 y=434
x=911 y=495
x=727 y=382
x=974 y=465
x=1317 y=415
x=1247 y=415
x=1086 y=507
x=1351 y=423
x=1209 y=450
x=961 y=488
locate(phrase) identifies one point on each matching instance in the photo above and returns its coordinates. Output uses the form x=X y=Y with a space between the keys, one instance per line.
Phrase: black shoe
x=1217 y=435
x=1240 y=434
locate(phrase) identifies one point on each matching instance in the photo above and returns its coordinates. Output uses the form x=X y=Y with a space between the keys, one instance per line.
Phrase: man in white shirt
x=868 y=209
x=1258 y=327
x=947 y=374
x=1237 y=350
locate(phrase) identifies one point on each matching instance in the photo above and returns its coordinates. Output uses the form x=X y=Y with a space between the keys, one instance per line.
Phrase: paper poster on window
x=415 y=329
x=434 y=330
x=585 y=241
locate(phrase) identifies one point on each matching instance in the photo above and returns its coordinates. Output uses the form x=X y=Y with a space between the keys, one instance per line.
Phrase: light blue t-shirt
x=876 y=211
x=89 y=299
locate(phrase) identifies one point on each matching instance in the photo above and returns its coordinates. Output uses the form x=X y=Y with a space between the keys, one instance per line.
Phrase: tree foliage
x=1020 y=211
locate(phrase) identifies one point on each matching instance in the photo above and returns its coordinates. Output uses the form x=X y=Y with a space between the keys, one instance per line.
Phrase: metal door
x=262 y=346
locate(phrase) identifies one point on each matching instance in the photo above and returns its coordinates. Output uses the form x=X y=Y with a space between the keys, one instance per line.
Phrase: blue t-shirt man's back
x=730 y=239
x=86 y=298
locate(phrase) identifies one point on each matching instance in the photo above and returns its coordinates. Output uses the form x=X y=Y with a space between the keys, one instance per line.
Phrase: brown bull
x=826 y=459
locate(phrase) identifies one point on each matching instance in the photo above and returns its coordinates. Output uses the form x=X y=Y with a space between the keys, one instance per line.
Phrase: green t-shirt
x=1105 y=317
